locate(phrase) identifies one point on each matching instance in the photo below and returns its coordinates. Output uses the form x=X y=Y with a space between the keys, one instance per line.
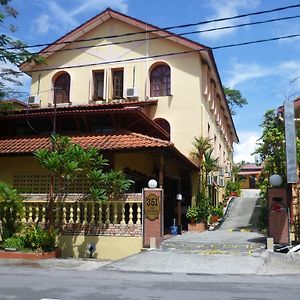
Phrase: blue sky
x=262 y=72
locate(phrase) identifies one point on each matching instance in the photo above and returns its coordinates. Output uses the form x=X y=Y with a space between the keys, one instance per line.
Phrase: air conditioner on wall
x=34 y=100
x=132 y=93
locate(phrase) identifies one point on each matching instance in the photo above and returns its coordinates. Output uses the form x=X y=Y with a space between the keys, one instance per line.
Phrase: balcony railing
x=115 y=217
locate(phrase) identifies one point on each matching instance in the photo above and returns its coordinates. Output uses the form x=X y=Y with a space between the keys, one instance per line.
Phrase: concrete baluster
x=115 y=213
x=30 y=220
x=71 y=220
x=64 y=215
x=130 y=222
x=92 y=204
x=78 y=213
x=85 y=209
x=139 y=210
x=100 y=214
x=107 y=217
x=123 y=214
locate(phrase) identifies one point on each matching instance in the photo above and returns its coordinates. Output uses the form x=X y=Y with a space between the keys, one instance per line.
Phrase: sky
x=265 y=73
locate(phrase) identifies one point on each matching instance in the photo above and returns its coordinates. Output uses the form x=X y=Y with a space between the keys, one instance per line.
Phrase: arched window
x=160 y=81
x=164 y=124
x=62 y=88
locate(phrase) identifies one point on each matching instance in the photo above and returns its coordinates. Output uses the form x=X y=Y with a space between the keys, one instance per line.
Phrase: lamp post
x=179 y=199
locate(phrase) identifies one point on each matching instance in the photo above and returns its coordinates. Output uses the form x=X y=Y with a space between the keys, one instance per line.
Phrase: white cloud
x=43 y=24
x=224 y=9
x=243 y=72
x=61 y=19
x=247 y=145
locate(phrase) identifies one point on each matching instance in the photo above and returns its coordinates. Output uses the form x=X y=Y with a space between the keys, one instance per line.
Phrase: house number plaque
x=152 y=207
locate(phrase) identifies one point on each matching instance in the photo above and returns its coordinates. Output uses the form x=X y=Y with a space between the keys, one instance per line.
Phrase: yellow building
x=138 y=92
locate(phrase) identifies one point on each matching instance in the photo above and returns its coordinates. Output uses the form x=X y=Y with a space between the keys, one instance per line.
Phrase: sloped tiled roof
x=115 y=141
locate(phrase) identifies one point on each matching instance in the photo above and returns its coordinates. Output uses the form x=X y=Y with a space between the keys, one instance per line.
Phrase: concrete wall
x=107 y=247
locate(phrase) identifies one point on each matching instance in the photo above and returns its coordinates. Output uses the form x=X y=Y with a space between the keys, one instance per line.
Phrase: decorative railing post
x=107 y=216
x=92 y=203
x=123 y=214
x=139 y=210
x=71 y=220
x=130 y=222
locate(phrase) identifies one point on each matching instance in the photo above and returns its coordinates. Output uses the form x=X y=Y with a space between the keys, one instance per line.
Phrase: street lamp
x=152 y=183
x=179 y=199
x=275 y=180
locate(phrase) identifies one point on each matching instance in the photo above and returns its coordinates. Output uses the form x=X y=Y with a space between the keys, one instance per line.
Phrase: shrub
x=14 y=242
x=32 y=237
x=11 y=210
x=37 y=238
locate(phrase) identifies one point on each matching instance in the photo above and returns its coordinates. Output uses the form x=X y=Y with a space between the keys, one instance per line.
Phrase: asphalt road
x=36 y=284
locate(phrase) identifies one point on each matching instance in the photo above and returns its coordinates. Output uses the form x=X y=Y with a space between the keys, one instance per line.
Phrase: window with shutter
x=160 y=81
x=118 y=78
x=62 y=88
x=99 y=85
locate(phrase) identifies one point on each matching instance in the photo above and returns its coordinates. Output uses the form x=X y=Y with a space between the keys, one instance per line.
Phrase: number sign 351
x=152 y=207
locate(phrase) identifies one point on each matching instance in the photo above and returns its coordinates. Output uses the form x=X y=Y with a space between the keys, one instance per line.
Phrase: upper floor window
x=98 y=85
x=118 y=79
x=160 y=81
x=62 y=88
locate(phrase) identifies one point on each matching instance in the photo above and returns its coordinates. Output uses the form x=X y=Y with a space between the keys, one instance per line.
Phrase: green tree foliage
x=12 y=51
x=11 y=209
x=234 y=99
x=201 y=146
x=271 y=147
x=66 y=162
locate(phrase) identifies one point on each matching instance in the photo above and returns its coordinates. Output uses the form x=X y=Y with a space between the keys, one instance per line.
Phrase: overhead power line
x=162 y=55
x=171 y=34
x=160 y=29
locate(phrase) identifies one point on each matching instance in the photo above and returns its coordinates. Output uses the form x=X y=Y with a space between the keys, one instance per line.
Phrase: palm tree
x=201 y=146
x=210 y=164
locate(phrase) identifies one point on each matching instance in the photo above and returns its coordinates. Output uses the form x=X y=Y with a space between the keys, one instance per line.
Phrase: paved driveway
x=237 y=234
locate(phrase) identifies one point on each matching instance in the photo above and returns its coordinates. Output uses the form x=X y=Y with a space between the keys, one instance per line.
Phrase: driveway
x=237 y=234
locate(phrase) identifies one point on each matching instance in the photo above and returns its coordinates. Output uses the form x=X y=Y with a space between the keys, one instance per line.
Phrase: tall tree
x=12 y=52
x=234 y=99
x=201 y=146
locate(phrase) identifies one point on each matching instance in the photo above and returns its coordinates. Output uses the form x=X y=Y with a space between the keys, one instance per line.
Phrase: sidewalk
x=159 y=261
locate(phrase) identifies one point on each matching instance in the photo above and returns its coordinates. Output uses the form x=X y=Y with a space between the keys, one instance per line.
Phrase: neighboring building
x=12 y=104
x=249 y=175
x=139 y=93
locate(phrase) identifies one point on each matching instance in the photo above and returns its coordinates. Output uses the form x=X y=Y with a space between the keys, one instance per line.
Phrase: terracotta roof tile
x=115 y=141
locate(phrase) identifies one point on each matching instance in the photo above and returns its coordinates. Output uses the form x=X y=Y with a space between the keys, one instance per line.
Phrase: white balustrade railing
x=127 y=211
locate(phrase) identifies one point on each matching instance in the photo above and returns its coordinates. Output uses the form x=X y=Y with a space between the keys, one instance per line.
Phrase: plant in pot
x=233 y=188
x=193 y=214
x=216 y=214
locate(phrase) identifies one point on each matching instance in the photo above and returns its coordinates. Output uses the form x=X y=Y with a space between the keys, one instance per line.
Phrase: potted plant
x=233 y=188
x=193 y=214
x=216 y=214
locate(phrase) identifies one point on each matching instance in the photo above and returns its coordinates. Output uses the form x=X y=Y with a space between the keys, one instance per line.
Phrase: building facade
x=138 y=92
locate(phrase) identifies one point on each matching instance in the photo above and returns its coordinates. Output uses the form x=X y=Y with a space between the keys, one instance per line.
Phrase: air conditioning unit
x=132 y=93
x=34 y=100
x=209 y=180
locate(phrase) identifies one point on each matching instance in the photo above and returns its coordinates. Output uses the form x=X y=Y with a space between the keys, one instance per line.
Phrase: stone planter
x=199 y=227
x=30 y=255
